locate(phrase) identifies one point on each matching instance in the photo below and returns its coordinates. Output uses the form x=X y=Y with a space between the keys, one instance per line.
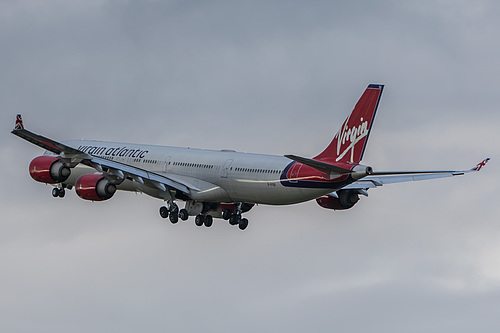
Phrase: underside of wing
x=391 y=177
x=120 y=170
x=348 y=196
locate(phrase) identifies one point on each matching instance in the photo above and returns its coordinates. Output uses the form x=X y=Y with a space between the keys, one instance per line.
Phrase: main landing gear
x=235 y=218
x=173 y=212
x=206 y=220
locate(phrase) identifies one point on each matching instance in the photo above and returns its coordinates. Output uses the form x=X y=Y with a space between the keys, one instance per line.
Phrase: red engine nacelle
x=49 y=169
x=94 y=187
x=346 y=199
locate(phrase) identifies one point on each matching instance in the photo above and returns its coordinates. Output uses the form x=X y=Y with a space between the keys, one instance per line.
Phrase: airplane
x=221 y=183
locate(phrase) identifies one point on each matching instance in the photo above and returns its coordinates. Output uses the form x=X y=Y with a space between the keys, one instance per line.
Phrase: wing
x=113 y=169
x=391 y=177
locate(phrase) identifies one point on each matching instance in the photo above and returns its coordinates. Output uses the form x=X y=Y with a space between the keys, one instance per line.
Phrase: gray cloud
x=269 y=77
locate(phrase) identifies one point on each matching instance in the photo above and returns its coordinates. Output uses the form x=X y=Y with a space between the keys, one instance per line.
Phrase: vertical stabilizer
x=349 y=143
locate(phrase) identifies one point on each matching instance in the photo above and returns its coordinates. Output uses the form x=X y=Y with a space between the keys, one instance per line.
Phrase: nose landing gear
x=59 y=192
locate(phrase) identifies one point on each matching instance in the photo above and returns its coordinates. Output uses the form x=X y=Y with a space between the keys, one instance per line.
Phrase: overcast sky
x=275 y=77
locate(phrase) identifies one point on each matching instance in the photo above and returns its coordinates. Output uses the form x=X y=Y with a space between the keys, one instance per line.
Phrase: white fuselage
x=217 y=176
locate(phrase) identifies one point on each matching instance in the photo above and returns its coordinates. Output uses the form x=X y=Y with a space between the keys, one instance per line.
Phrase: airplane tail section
x=349 y=143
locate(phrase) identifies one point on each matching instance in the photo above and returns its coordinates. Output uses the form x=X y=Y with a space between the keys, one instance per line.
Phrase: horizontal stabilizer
x=319 y=165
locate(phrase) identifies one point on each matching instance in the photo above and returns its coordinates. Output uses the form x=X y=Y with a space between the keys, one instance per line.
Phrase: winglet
x=480 y=165
x=19 y=123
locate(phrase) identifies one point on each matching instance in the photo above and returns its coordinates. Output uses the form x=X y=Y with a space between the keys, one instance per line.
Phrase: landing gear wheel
x=183 y=214
x=235 y=219
x=62 y=193
x=243 y=224
x=55 y=192
x=199 y=220
x=174 y=217
x=226 y=215
x=208 y=221
x=163 y=212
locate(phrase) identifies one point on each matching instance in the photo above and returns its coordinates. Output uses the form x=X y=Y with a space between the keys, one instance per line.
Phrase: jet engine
x=345 y=199
x=49 y=169
x=94 y=187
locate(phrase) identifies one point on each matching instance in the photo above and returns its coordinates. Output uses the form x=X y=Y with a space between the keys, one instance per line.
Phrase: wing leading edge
x=391 y=177
x=72 y=157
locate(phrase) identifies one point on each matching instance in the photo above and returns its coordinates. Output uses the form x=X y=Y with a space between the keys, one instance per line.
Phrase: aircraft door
x=225 y=168
x=167 y=161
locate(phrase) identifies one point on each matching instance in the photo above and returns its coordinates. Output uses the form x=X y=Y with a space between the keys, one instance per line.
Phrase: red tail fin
x=349 y=143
